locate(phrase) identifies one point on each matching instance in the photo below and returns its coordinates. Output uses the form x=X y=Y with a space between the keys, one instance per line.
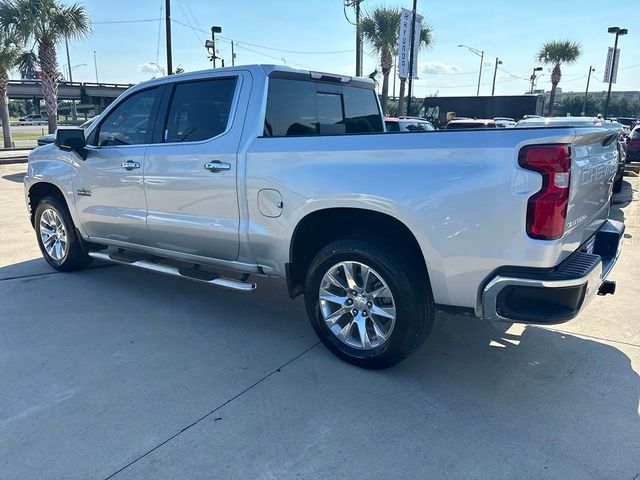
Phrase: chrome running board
x=213 y=278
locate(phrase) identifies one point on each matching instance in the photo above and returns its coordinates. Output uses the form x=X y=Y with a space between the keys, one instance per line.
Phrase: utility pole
x=586 y=92
x=95 y=65
x=618 y=31
x=495 y=71
x=167 y=19
x=74 y=113
x=358 y=40
x=356 y=6
x=233 y=55
x=411 y=52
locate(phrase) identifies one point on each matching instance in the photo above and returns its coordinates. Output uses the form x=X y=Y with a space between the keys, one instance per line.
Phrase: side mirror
x=71 y=139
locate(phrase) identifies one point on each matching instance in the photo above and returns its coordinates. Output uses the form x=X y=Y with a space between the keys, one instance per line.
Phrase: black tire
x=75 y=256
x=405 y=279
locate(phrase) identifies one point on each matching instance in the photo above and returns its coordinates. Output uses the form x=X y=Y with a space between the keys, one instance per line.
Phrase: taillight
x=547 y=209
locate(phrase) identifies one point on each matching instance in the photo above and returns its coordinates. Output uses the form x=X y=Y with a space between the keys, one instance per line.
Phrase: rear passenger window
x=199 y=110
x=298 y=107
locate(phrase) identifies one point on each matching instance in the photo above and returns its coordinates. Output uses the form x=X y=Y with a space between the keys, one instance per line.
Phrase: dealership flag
x=404 y=44
x=607 y=68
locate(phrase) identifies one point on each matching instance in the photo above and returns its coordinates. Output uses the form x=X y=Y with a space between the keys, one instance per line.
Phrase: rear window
x=392 y=126
x=298 y=107
x=635 y=133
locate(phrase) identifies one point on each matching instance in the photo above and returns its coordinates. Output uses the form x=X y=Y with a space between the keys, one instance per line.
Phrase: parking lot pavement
x=119 y=373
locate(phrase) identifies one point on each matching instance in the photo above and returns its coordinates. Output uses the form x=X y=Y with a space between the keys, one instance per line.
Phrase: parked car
x=33 y=119
x=470 y=123
x=407 y=124
x=633 y=145
x=628 y=122
x=257 y=171
x=504 y=122
x=50 y=137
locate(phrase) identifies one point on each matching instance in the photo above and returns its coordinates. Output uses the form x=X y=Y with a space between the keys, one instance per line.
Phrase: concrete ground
x=118 y=373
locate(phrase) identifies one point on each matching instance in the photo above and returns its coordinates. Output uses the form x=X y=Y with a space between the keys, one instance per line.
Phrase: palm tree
x=425 y=41
x=556 y=53
x=10 y=55
x=380 y=30
x=46 y=22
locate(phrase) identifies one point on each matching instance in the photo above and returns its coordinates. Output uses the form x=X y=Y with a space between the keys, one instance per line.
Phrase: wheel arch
x=38 y=191
x=320 y=227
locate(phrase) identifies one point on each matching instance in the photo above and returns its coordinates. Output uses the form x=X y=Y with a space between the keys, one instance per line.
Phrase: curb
x=10 y=161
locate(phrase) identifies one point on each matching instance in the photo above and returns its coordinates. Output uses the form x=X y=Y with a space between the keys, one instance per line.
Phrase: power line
x=193 y=29
x=262 y=46
x=107 y=22
x=159 y=32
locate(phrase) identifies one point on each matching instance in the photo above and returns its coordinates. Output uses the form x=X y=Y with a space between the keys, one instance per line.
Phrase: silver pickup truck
x=228 y=175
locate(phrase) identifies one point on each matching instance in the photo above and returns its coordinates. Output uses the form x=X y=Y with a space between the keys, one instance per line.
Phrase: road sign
x=404 y=44
x=607 y=68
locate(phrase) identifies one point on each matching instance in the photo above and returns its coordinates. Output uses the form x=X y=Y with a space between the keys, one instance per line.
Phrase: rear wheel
x=57 y=237
x=368 y=302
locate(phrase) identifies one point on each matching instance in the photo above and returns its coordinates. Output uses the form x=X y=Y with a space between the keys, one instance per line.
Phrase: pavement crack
x=224 y=404
x=44 y=274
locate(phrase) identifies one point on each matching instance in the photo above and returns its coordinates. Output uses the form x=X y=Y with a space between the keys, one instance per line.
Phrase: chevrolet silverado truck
x=228 y=175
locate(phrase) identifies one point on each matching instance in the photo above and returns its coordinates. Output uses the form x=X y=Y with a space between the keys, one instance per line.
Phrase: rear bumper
x=550 y=296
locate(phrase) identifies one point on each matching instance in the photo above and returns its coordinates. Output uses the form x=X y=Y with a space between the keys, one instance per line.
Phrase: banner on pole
x=404 y=44
x=607 y=69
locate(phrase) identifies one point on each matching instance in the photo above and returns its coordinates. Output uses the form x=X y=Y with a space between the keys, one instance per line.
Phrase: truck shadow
x=486 y=387
x=14 y=177
x=621 y=200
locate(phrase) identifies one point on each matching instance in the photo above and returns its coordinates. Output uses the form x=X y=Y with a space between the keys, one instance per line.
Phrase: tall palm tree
x=425 y=40
x=556 y=53
x=380 y=30
x=9 y=54
x=46 y=22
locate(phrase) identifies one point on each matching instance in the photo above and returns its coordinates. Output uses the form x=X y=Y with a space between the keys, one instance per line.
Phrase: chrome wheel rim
x=357 y=305
x=53 y=234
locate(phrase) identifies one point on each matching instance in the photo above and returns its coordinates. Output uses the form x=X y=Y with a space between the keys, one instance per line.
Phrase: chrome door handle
x=217 y=166
x=129 y=165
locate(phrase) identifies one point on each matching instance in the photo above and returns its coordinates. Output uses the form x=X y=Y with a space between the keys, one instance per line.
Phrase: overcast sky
x=315 y=34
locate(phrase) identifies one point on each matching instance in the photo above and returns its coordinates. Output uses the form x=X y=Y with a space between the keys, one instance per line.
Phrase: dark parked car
x=50 y=137
x=633 y=145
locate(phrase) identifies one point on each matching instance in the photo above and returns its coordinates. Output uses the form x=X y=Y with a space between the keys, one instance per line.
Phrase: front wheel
x=368 y=302
x=57 y=237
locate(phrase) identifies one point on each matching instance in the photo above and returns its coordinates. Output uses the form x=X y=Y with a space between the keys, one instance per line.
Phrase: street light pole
x=533 y=78
x=586 y=92
x=167 y=20
x=95 y=65
x=74 y=113
x=495 y=71
x=619 y=32
x=480 y=53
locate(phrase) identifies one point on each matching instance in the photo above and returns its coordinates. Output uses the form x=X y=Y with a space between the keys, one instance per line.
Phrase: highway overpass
x=96 y=94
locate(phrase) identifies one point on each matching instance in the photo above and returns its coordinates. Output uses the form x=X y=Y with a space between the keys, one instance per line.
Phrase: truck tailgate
x=594 y=155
